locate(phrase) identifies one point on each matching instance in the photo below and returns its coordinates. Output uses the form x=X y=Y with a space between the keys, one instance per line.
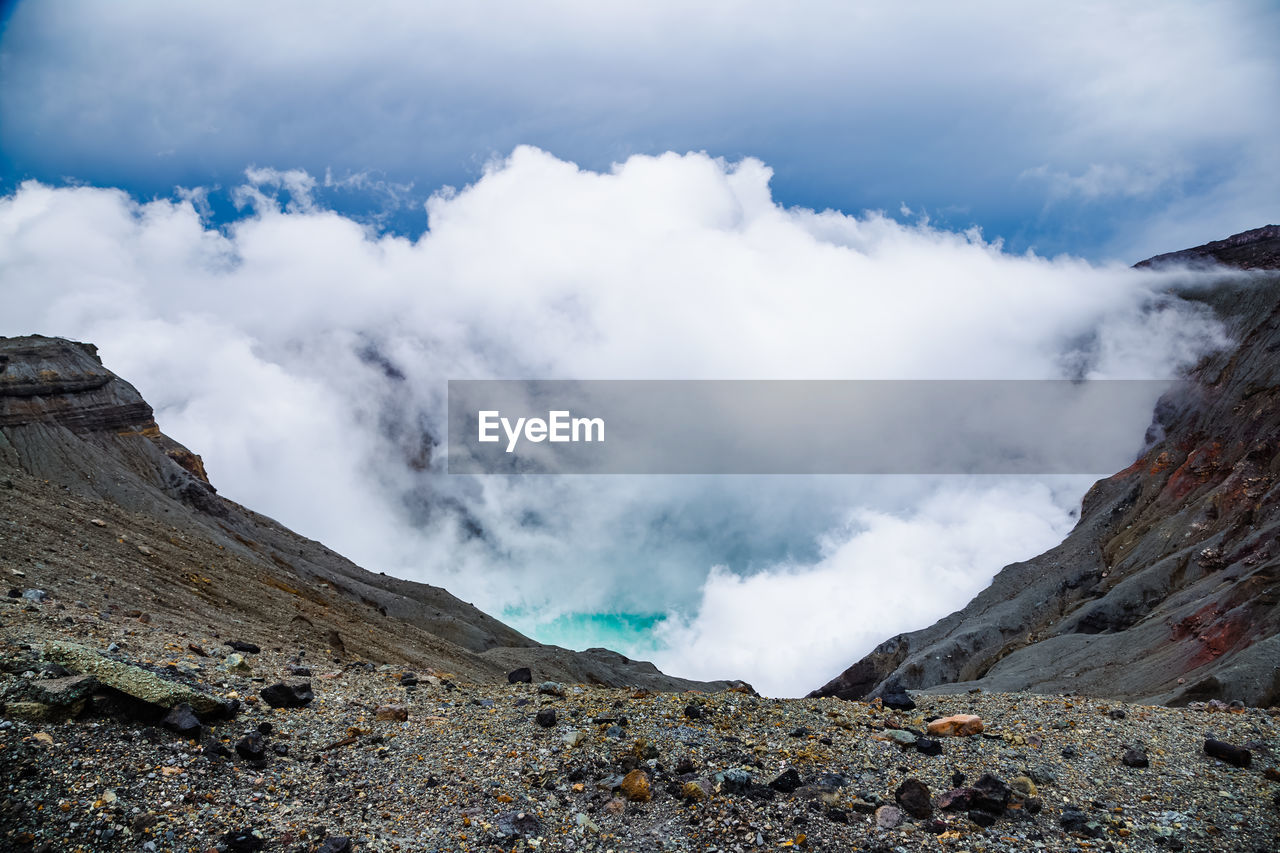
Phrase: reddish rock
x=957 y=725
x=392 y=713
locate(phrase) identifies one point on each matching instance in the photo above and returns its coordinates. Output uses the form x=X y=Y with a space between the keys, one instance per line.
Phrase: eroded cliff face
x=55 y=391
x=1168 y=589
x=95 y=499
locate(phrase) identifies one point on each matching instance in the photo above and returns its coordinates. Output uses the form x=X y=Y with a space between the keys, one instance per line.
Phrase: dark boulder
x=282 y=695
x=914 y=798
x=183 y=720
x=1236 y=756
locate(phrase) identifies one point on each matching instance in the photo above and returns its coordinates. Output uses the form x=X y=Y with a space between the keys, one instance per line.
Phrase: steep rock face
x=1168 y=589
x=1258 y=249
x=95 y=494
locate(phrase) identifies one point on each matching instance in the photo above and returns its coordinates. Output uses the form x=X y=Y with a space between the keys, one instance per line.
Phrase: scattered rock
x=512 y=825
x=407 y=679
x=635 y=786
x=183 y=720
x=523 y=675
x=32 y=712
x=1236 y=756
x=958 y=725
x=895 y=697
x=241 y=841
x=928 y=746
x=282 y=695
x=546 y=718
x=887 y=817
x=36 y=596
x=1023 y=786
x=900 y=737
x=392 y=713
x=251 y=747
x=1134 y=758
x=236 y=663
x=67 y=692
x=914 y=798
x=551 y=688
x=787 y=781
x=1077 y=822
x=242 y=646
x=734 y=781
x=957 y=799
x=131 y=680
x=695 y=791
x=336 y=844
x=990 y=794
x=983 y=818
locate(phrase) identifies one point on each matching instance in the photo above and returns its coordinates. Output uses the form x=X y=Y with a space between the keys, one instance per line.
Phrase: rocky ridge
x=98 y=505
x=1168 y=589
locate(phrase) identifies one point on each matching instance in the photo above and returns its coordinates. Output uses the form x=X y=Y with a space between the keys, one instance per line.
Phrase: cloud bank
x=305 y=354
x=1140 y=126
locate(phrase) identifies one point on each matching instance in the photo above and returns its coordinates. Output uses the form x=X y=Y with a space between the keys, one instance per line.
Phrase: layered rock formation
x=94 y=500
x=1168 y=589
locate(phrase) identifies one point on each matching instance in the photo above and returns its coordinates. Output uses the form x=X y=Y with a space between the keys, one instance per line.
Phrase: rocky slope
x=1168 y=589
x=97 y=506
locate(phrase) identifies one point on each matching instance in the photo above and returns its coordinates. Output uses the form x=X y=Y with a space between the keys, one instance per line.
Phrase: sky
x=289 y=225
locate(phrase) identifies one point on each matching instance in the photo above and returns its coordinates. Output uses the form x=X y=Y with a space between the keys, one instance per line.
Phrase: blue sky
x=1104 y=129
x=230 y=200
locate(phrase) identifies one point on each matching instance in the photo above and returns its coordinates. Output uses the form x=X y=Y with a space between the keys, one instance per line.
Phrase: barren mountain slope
x=1168 y=589
x=78 y=444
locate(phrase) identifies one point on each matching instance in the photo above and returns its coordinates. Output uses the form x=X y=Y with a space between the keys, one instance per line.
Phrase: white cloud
x=794 y=626
x=305 y=356
x=1101 y=181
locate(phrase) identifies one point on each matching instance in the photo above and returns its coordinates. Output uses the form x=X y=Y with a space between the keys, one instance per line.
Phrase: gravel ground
x=471 y=767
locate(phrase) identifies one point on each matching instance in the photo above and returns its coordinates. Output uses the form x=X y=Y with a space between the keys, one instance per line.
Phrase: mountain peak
x=1257 y=249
